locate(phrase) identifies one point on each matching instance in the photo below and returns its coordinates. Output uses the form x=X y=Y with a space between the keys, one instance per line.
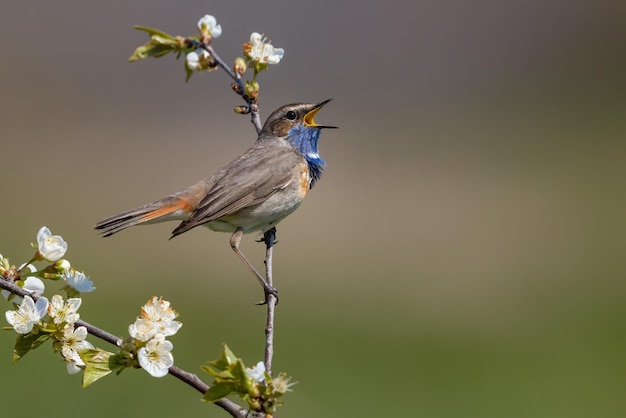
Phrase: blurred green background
x=463 y=255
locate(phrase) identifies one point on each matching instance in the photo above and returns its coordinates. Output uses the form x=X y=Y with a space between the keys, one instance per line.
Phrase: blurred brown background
x=463 y=255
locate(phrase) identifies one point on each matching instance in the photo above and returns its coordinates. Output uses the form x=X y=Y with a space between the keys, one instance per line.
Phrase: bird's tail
x=169 y=208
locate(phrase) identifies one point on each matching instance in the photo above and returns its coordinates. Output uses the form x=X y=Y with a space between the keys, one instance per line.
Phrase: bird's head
x=294 y=124
x=294 y=121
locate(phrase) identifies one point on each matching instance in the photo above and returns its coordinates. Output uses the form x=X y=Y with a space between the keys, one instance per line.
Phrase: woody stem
x=269 y=238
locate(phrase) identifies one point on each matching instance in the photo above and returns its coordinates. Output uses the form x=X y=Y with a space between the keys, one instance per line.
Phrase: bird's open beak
x=309 y=118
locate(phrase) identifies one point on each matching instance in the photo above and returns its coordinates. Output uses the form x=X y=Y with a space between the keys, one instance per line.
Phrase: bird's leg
x=269 y=238
x=235 y=240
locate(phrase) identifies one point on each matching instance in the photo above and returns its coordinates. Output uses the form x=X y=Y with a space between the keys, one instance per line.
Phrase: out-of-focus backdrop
x=462 y=256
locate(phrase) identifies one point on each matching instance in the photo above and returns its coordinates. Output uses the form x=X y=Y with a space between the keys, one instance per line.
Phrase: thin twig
x=269 y=238
x=189 y=378
x=255 y=116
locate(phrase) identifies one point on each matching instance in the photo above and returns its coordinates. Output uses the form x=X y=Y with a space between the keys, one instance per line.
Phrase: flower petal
x=156 y=358
x=51 y=247
x=41 y=307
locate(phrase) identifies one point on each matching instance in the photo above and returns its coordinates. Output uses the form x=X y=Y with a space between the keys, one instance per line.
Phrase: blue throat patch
x=305 y=139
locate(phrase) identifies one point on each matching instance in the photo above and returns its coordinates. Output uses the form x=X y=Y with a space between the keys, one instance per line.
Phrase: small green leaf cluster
x=259 y=390
x=159 y=45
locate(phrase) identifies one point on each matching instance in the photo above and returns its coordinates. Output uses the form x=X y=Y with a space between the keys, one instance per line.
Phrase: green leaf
x=151 y=49
x=160 y=44
x=25 y=343
x=164 y=41
x=227 y=358
x=98 y=364
x=155 y=32
x=213 y=372
x=218 y=391
x=239 y=370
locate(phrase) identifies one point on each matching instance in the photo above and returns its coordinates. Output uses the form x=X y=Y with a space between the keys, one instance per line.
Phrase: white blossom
x=28 y=314
x=156 y=357
x=51 y=247
x=258 y=49
x=78 y=280
x=61 y=311
x=257 y=373
x=142 y=329
x=197 y=60
x=74 y=341
x=210 y=23
x=162 y=315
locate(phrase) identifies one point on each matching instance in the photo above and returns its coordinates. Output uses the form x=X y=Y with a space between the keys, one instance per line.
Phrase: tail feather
x=168 y=208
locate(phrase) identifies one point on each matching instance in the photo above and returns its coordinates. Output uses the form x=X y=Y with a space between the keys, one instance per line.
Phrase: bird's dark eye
x=291 y=115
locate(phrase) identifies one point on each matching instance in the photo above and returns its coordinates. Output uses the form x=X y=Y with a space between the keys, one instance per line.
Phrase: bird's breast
x=304 y=179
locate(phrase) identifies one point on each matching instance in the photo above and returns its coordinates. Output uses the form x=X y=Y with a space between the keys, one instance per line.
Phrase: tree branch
x=189 y=378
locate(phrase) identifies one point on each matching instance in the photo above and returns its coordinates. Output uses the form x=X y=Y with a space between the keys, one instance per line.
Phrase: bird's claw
x=262 y=239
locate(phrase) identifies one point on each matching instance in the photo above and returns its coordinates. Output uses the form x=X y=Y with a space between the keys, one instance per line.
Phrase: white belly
x=261 y=217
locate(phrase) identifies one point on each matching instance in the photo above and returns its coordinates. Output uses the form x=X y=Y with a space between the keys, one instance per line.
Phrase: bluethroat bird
x=251 y=193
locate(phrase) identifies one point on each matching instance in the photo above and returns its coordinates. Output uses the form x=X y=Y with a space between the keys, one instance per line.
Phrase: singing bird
x=252 y=193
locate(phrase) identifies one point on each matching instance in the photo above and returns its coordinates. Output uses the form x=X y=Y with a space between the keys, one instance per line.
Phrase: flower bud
x=62 y=265
x=52 y=276
x=252 y=88
x=236 y=88
x=255 y=404
x=242 y=110
x=240 y=66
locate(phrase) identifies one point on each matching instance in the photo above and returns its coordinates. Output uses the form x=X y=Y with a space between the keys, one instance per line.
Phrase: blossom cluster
x=258 y=50
x=200 y=59
x=157 y=321
x=37 y=318
x=72 y=339
x=56 y=317
x=34 y=314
